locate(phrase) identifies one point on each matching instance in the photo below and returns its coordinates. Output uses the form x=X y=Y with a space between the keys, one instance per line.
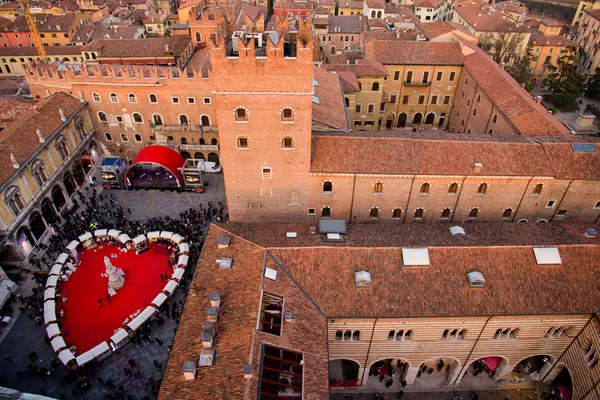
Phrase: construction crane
x=35 y=34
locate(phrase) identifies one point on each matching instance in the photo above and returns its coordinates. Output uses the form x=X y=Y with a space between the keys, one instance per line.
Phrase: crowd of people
x=92 y=211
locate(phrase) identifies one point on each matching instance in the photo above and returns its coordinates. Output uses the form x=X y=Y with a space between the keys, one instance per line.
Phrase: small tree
x=593 y=87
x=521 y=69
x=503 y=47
x=564 y=80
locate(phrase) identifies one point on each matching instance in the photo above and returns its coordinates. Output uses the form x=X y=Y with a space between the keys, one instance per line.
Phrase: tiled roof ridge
x=522 y=139
x=439 y=247
x=237 y=236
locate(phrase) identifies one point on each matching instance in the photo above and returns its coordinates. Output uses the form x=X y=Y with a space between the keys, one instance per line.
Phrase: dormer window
x=476 y=279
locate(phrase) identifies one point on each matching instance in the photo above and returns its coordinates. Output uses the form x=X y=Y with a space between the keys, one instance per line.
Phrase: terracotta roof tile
x=414 y=53
x=482 y=18
x=331 y=110
x=540 y=39
x=154 y=47
x=573 y=165
x=368 y=67
x=349 y=81
x=347 y=23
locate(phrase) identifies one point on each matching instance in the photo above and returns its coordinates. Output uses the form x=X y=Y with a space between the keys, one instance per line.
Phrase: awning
x=164 y=156
x=159 y=300
x=56 y=268
x=100 y=350
x=170 y=287
x=50 y=315
x=84 y=358
x=58 y=343
x=178 y=274
x=73 y=245
x=176 y=238
x=66 y=356
x=166 y=235
x=492 y=362
x=52 y=281
x=153 y=235
x=85 y=236
x=124 y=238
x=100 y=232
x=114 y=233
x=183 y=247
x=119 y=337
x=50 y=294
x=565 y=392
x=50 y=305
x=52 y=330
x=183 y=260
x=139 y=239
x=62 y=258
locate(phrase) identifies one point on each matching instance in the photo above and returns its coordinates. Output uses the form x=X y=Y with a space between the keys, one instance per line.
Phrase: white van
x=209 y=166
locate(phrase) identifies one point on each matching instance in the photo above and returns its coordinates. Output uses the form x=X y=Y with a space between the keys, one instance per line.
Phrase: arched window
x=453 y=188
x=430 y=118
x=137 y=137
x=346 y=38
x=39 y=172
x=507 y=213
x=538 y=189
x=397 y=213
x=62 y=148
x=347 y=101
x=137 y=117
x=326 y=212
x=482 y=188
x=375 y=87
x=132 y=98
x=205 y=121
x=214 y=141
x=102 y=117
x=96 y=97
x=157 y=119
x=378 y=14
x=417 y=118
x=153 y=99
x=446 y=213
x=183 y=119
x=424 y=188
x=108 y=136
x=374 y=213
x=419 y=213
x=242 y=142
x=198 y=37
x=202 y=141
x=183 y=140
x=327 y=187
x=124 y=137
x=378 y=187
x=473 y=213
x=14 y=199
x=114 y=98
x=241 y=114
x=373 y=14
x=287 y=114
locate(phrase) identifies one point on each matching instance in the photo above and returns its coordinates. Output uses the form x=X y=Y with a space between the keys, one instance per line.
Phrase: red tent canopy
x=492 y=362
x=161 y=155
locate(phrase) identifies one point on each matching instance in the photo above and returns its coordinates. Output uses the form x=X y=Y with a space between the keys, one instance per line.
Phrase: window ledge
x=241 y=122
x=451 y=194
x=377 y=193
x=480 y=194
x=423 y=194
x=327 y=192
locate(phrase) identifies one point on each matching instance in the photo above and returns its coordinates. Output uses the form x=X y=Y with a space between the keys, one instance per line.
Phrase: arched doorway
x=401 y=120
x=86 y=161
x=535 y=367
x=38 y=227
x=58 y=198
x=484 y=371
x=199 y=156
x=10 y=256
x=78 y=174
x=389 y=120
x=343 y=373
x=563 y=383
x=25 y=240
x=186 y=155
x=213 y=157
x=429 y=119
x=48 y=211
x=382 y=371
x=436 y=372
x=69 y=183
x=417 y=119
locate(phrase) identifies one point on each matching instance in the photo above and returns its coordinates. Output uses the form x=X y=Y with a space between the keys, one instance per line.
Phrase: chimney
x=248 y=371
x=166 y=48
x=212 y=314
x=58 y=27
x=189 y=370
x=207 y=340
x=215 y=299
x=209 y=327
x=478 y=167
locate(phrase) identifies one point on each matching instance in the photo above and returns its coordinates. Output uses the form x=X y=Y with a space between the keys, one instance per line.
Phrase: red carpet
x=86 y=322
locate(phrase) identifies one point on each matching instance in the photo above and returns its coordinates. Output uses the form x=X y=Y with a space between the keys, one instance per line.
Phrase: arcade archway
x=25 y=240
x=484 y=371
x=343 y=373
x=69 y=183
x=48 y=211
x=386 y=373
x=38 y=227
x=58 y=198
x=436 y=372
x=78 y=174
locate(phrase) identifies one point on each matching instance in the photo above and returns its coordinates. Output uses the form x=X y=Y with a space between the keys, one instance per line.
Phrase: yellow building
x=156 y=23
x=350 y=7
x=589 y=41
x=547 y=50
x=47 y=153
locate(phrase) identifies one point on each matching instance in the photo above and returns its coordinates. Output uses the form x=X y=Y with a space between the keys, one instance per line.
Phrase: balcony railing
x=199 y=147
x=182 y=128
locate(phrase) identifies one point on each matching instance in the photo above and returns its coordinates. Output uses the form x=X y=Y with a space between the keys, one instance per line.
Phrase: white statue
x=14 y=161
x=63 y=117
x=115 y=279
x=39 y=135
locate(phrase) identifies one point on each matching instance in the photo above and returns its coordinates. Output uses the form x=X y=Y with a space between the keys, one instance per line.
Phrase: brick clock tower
x=263 y=102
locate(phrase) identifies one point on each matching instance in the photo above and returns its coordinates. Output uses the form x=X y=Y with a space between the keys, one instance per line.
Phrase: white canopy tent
x=66 y=356
x=56 y=269
x=84 y=358
x=184 y=248
x=139 y=239
x=52 y=330
x=114 y=233
x=124 y=238
x=170 y=287
x=159 y=300
x=136 y=322
x=49 y=305
x=148 y=312
x=153 y=235
x=100 y=232
x=62 y=258
x=50 y=294
x=119 y=338
x=178 y=274
x=85 y=237
x=58 y=343
x=101 y=351
x=49 y=316
x=166 y=235
x=176 y=239
x=73 y=245
x=52 y=281
x=183 y=260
